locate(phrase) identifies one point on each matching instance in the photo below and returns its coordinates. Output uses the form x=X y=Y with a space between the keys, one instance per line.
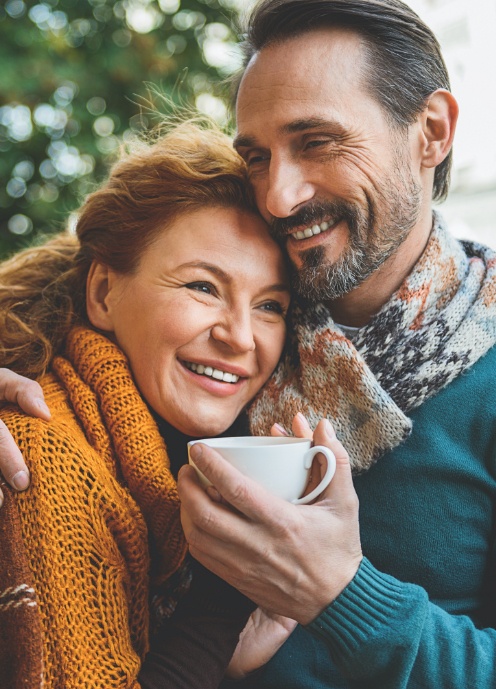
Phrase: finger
x=278 y=431
x=301 y=427
x=316 y=473
x=248 y=497
x=341 y=489
x=211 y=529
x=12 y=465
x=27 y=393
x=199 y=513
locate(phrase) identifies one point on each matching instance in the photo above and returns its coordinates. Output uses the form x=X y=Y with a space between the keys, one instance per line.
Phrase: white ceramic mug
x=281 y=465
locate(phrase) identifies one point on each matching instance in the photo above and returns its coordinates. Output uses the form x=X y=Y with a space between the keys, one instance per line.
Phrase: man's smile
x=313 y=230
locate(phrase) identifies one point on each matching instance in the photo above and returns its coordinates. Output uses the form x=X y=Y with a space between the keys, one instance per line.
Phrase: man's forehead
x=294 y=75
x=285 y=91
x=296 y=57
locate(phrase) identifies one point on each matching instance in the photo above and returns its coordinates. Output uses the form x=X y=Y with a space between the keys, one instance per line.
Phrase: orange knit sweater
x=74 y=587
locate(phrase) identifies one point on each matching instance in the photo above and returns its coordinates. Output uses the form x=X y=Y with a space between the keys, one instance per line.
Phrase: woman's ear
x=98 y=285
x=438 y=121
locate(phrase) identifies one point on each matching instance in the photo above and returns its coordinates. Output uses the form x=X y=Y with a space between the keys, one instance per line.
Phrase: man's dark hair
x=404 y=57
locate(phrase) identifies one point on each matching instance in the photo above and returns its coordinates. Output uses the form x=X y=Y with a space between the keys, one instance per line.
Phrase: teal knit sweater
x=421 y=611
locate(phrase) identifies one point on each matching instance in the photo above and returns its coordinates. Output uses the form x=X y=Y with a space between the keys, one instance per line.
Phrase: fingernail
x=1 y=498
x=20 y=481
x=281 y=429
x=40 y=403
x=196 y=451
x=302 y=418
x=329 y=430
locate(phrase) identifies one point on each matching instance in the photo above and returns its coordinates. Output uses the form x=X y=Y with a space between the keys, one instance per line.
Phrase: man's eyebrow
x=241 y=141
x=306 y=123
x=301 y=125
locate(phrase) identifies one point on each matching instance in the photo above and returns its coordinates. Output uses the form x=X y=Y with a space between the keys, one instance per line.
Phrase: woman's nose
x=287 y=188
x=235 y=330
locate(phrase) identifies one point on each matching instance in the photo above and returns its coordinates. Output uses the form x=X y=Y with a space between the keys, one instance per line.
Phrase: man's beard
x=371 y=241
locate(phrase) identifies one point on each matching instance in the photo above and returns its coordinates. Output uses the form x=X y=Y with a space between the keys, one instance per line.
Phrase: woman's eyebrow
x=215 y=270
x=207 y=266
x=278 y=287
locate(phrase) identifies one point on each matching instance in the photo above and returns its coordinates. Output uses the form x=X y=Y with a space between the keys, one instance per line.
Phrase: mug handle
x=331 y=468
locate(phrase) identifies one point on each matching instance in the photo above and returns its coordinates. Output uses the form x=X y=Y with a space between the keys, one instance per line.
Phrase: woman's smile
x=216 y=381
x=219 y=372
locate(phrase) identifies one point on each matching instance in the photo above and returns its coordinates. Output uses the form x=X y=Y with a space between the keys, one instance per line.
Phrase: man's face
x=333 y=177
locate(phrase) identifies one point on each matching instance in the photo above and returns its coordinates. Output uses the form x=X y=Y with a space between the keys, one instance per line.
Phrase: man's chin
x=324 y=282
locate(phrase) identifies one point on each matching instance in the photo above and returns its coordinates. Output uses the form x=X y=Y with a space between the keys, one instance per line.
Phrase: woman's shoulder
x=54 y=445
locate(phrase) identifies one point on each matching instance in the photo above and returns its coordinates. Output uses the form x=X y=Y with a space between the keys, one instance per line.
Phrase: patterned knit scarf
x=440 y=321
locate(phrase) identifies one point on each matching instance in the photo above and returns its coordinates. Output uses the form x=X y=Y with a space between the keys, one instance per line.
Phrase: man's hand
x=292 y=560
x=29 y=396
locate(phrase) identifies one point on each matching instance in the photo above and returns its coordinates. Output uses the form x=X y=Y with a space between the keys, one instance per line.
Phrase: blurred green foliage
x=73 y=81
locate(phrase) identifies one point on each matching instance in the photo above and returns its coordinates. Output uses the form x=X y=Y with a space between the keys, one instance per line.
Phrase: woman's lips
x=214 y=385
x=211 y=372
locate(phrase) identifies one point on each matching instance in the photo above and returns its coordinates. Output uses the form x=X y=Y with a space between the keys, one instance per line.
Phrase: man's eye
x=255 y=159
x=204 y=287
x=315 y=143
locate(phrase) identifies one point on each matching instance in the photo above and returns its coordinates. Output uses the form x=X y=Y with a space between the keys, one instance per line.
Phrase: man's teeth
x=202 y=370
x=311 y=231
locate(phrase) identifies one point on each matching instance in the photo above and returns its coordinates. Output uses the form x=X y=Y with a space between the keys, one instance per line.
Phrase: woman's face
x=202 y=319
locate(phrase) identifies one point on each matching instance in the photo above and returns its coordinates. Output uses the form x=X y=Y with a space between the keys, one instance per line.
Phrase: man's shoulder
x=483 y=370
x=472 y=393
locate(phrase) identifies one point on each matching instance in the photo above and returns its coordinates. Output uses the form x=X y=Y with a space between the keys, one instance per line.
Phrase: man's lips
x=312 y=230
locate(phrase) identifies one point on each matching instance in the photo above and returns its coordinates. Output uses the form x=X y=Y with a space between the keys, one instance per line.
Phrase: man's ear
x=438 y=122
x=98 y=285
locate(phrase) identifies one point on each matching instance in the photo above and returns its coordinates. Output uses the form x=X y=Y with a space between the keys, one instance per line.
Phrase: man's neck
x=358 y=306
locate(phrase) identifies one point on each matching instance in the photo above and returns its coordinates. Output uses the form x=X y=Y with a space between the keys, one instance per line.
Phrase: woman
x=161 y=319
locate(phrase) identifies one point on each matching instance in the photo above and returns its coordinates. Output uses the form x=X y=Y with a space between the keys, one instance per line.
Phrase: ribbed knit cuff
x=368 y=608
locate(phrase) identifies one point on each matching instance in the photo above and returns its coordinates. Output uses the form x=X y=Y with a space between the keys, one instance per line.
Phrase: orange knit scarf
x=74 y=549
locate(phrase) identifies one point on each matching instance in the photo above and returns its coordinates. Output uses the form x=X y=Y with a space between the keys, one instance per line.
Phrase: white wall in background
x=467 y=33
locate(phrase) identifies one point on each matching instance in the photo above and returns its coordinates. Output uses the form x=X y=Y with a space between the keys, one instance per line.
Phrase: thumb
x=341 y=488
x=27 y=393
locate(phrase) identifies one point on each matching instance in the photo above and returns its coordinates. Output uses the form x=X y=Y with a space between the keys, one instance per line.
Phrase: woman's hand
x=262 y=637
x=29 y=396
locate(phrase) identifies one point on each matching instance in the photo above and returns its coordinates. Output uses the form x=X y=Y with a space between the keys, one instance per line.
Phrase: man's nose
x=288 y=188
x=234 y=329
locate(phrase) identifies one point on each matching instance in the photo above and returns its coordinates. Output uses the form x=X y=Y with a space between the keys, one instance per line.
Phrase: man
x=346 y=122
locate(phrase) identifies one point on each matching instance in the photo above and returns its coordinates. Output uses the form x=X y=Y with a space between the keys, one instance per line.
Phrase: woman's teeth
x=202 y=370
x=311 y=231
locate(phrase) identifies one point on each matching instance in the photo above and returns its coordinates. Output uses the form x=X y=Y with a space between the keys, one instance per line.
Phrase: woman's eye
x=274 y=307
x=204 y=287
